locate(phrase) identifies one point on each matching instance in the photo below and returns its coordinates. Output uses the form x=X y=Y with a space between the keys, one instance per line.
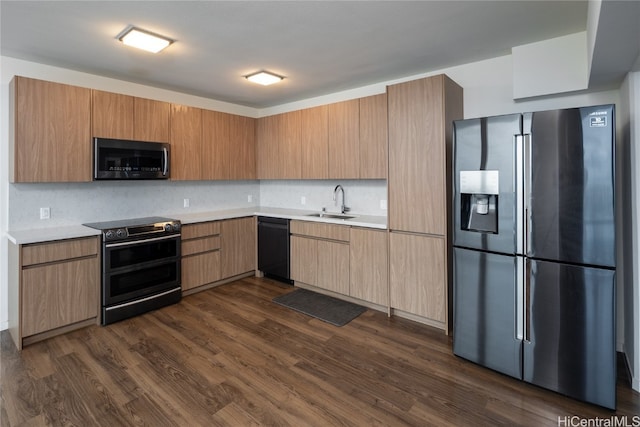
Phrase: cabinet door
x=304 y=260
x=315 y=143
x=333 y=266
x=201 y=269
x=238 y=246
x=373 y=137
x=51 y=132
x=242 y=152
x=60 y=294
x=417 y=157
x=186 y=143
x=216 y=145
x=278 y=146
x=417 y=276
x=112 y=115
x=151 y=120
x=369 y=266
x=344 y=139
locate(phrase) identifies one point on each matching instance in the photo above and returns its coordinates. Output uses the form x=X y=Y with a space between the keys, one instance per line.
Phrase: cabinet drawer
x=41 y=253
x=320 y=230
x=195 y=246
x=202 y=229
x=59 y=294
x=201 y=269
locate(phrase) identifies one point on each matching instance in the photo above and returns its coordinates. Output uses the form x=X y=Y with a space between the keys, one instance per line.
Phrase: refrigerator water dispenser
x=479 y=196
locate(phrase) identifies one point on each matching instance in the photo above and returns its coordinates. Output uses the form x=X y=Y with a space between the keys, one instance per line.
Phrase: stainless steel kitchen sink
x=330 y=216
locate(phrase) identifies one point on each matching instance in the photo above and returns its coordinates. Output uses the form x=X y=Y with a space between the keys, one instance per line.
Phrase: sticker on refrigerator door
x=598 y=121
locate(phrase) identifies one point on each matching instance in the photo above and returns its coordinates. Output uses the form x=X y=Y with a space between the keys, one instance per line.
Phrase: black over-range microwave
x=123 y=159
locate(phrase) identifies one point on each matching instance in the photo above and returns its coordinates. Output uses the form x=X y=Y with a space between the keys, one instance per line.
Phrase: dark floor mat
x=323 y=307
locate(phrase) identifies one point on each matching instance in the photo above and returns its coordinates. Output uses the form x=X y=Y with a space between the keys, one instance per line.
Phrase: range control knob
x=109 y=234
x=121 y=233
x=176 y=226
x=167 y=227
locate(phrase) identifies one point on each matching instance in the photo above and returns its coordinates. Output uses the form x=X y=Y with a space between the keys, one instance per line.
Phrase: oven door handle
x=137 y=242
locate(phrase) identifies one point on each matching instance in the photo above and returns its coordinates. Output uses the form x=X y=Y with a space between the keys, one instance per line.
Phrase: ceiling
x=321 y=47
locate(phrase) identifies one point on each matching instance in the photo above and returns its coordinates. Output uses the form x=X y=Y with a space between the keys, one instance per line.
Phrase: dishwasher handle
x=273 y=222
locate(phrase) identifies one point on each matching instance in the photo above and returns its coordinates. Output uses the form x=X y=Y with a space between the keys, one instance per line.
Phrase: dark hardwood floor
x=229 y=356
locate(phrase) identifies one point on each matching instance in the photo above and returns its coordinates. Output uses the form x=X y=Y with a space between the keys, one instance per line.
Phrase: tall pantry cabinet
x=420 y=136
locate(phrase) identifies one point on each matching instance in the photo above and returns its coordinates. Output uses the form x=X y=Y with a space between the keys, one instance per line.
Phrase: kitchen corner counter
x=39 y=235
x=369 y=221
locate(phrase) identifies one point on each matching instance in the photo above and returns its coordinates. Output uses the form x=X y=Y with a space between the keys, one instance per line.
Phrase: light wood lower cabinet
x=320 y=255
x=53 y=287
x=200 y=254
x=238 y=246
x=369 y=265
x=217 y=250
x=417 y=276
x=200 y=269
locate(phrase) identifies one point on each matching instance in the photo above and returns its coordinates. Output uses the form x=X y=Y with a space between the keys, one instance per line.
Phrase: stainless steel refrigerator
x=534 y=248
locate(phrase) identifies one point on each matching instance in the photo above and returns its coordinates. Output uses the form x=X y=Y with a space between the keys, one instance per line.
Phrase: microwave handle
x=166 y=161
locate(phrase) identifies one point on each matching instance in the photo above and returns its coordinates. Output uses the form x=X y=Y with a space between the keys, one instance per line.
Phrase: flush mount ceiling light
x=264 y=78
x=145 y=40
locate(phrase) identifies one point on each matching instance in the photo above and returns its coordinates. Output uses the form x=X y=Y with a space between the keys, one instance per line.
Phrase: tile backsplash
x=77 y=203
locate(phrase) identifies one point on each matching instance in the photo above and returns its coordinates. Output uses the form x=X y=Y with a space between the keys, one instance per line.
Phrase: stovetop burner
x=127 y=229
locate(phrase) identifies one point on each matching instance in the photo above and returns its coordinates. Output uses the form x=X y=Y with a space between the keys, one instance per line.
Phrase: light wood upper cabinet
x=373 y=137
x=242 y=153
x=49 y=132
x=369 y=265
x=315 y=142
x=216 y=145
x=344 y=139
x=417 y=276
x=111 y=115
x=238 y=246
x=228 y=144
x=420 y=121
x=279 y=151
x=151 y=120
x=186 y=143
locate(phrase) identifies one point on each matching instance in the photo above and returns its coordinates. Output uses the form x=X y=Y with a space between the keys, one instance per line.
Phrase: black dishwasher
x=273 y=248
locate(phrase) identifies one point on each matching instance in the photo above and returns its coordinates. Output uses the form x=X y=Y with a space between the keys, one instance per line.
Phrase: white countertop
x=36 y=235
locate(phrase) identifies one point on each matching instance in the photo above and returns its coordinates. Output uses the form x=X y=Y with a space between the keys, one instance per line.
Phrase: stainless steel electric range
x=140 y=266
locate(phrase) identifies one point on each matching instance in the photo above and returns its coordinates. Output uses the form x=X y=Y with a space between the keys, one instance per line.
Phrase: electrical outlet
x=186 y=203
x=249 y=198
x=383 y=205
x=303 y=200
x=45 y=213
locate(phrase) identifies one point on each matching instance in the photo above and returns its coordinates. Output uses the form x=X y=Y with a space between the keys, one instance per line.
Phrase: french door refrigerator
x=534 y=248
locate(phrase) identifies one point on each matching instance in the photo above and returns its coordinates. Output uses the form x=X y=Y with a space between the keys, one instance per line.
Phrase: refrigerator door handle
x=520 y=297
x=519 y=186
x=526 y=147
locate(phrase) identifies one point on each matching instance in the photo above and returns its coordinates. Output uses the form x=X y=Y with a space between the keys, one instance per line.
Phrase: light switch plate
x=383 y=205
x=186 y=203
x=249 y=198
x=303 y=200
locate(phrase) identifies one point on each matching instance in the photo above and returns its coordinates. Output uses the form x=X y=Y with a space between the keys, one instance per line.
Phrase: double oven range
x=140 y=266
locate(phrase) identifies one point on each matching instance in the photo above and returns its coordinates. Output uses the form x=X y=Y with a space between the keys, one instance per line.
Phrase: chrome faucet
x=343 y=208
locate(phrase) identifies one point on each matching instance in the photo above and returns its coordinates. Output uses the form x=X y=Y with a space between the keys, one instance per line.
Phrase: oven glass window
x=146 y=278
x=136 y=254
